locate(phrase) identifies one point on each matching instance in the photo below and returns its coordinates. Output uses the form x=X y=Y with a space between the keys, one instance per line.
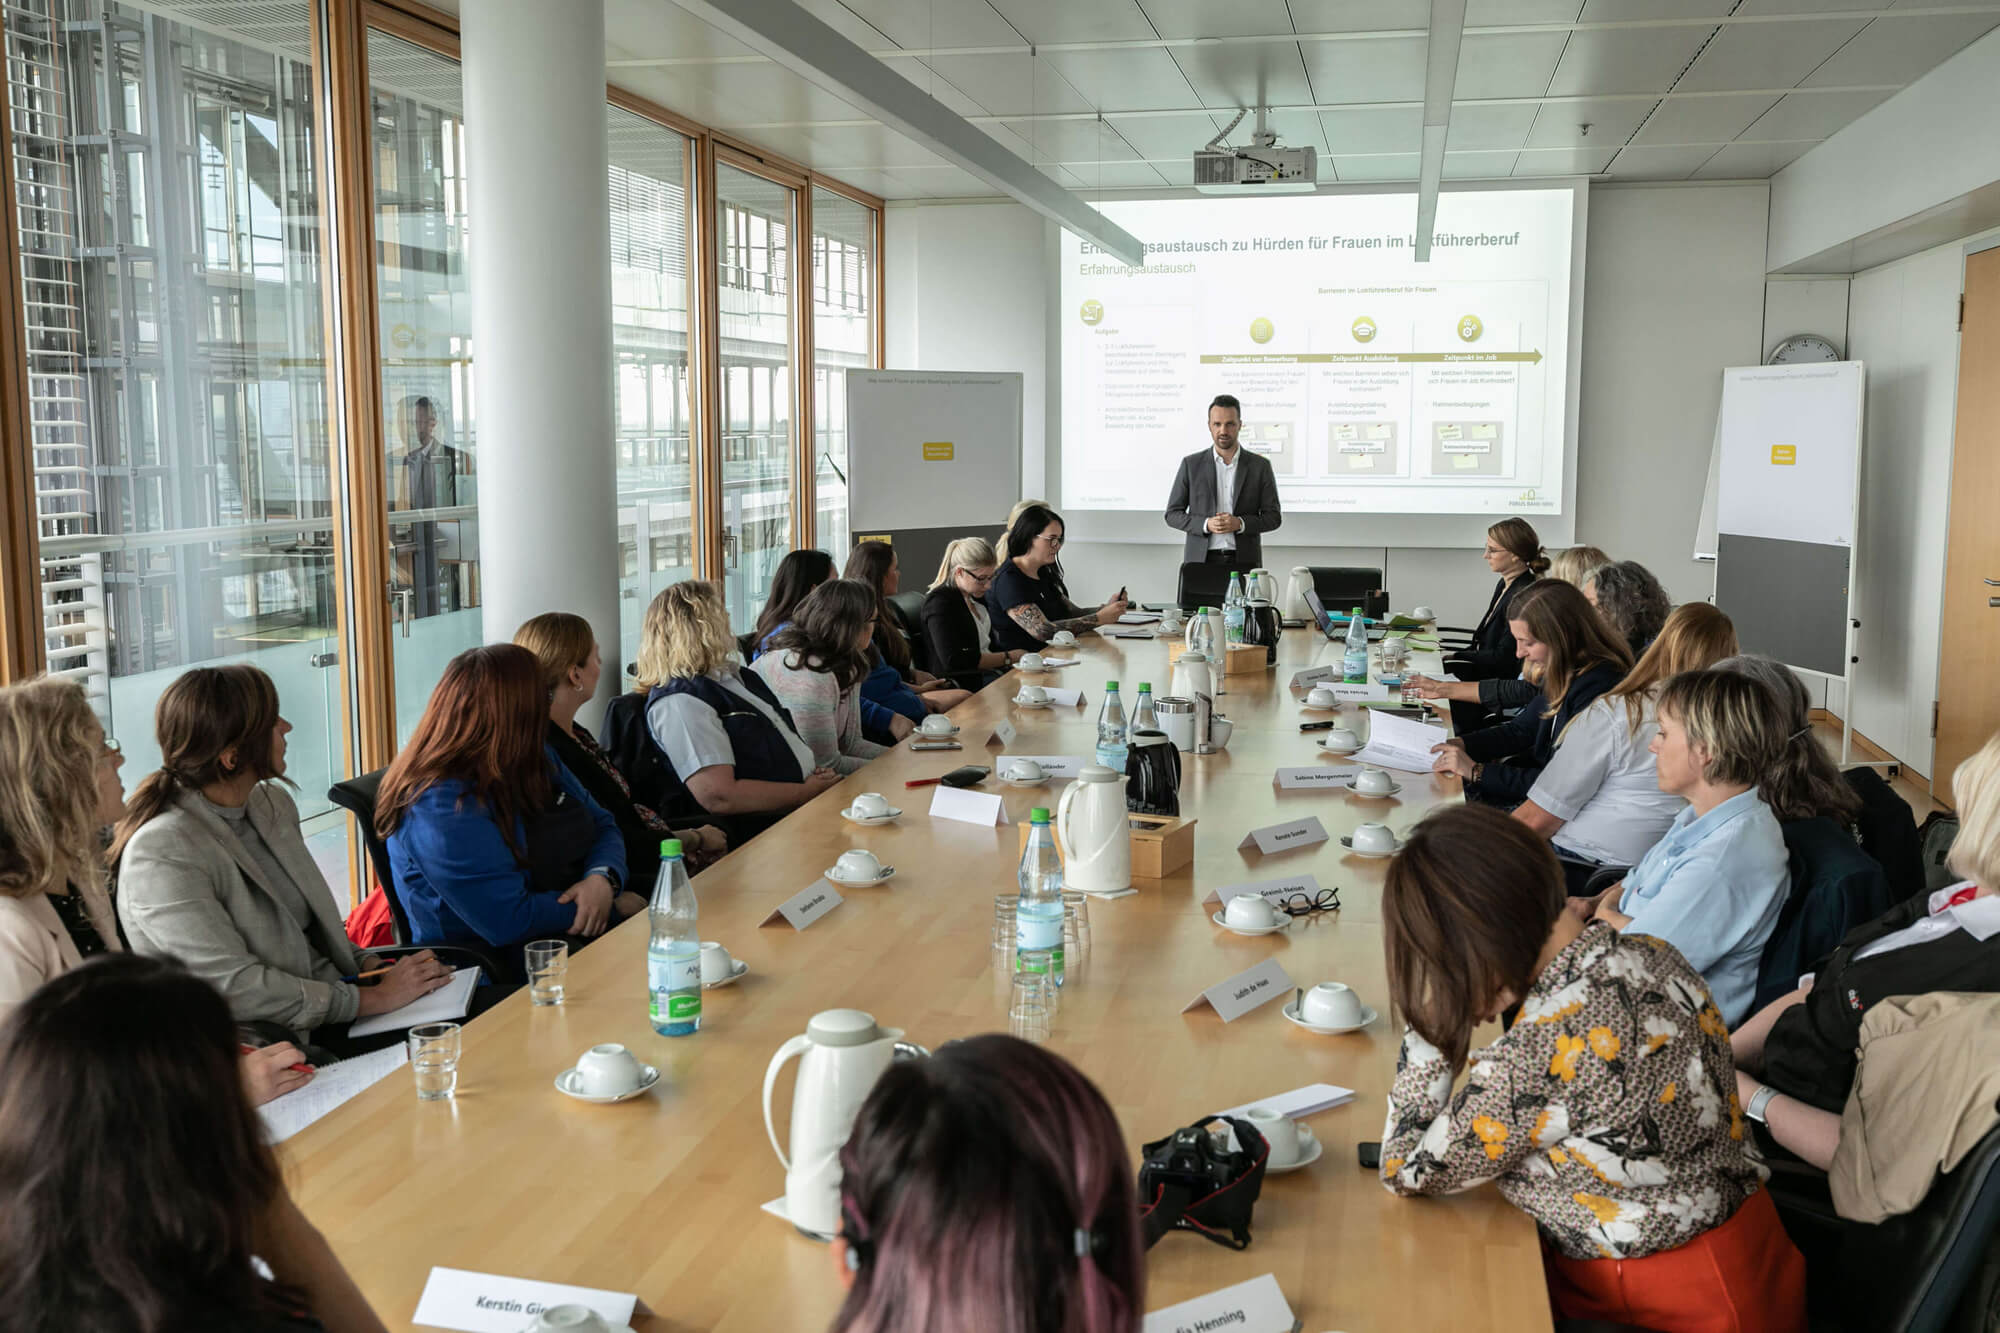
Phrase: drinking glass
x=1028 y=1007
x=548 y=969
x=434 y=1052
x=1003 y=921
x=1076 y=925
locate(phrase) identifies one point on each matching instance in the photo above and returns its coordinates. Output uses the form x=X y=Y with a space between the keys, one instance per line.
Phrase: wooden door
x=1969 y=656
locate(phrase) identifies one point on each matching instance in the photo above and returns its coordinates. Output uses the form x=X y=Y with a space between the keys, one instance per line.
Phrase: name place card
x=806 y=906
x=1062 y=698
x=1256 y=1306
x=1311 y=676
x=1360 y=693
x=1299 y=1102
x=1276 y=890
x=968 y=806
x=1245 y=991
x=1284 y=837
x=1323 y=775
x=488 y=1303
x=1053 y=765
x=1002 y=737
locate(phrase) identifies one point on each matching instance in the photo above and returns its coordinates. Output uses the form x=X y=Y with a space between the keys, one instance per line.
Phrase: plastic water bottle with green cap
x=673 y=953
x=1354 y=662
x=1038 y=917
x=1144 y=716
x=1111 y=729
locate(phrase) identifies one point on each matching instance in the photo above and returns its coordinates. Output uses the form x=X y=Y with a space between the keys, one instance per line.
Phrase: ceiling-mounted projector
x=1262 y=168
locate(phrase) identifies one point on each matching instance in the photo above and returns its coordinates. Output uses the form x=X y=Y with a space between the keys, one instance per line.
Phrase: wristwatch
x=1758 y=1101
x=1478 y=772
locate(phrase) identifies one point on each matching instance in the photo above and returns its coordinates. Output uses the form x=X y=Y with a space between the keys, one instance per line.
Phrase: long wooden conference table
x=660 y=1195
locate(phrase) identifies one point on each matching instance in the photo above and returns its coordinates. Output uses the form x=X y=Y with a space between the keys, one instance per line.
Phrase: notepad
x=446 y=1004
x=332 y=1085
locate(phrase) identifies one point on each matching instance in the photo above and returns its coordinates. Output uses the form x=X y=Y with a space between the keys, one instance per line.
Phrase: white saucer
x=888 y=873
x=1046 y=703
x=1291 y=1012
x=1348 y=843
x=1284 y=923
x=648 y=1076
x=1394 y=787
x=870 y=821
x=1070 y=642
x=919 y=734
x=1311 y=1150
x=732 y=978
x=1041 y=781
x=1340 y=749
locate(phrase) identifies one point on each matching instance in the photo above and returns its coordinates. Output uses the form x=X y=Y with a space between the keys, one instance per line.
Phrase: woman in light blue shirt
x=1714 y=886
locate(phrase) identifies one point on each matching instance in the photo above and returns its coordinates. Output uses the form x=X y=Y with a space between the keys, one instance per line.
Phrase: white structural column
x=540 y=266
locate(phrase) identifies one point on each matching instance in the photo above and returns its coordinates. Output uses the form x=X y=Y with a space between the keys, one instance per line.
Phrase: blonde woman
x=1599 y=799
x=1572 y=563
x=1796 y=1058
x=955 y=621
x=731 y=754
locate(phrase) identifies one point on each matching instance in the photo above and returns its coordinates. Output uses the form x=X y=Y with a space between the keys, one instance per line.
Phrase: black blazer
x=1492 y=651
x=952 y=635
x=642 y=840
x=1529 y=739
x=1192 y=502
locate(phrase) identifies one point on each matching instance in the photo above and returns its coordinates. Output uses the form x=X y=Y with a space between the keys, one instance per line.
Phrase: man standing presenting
x=1224 y=497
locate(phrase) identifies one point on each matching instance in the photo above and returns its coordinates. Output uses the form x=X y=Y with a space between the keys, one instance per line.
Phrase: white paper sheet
x=331 y=1086
x=446 y=1004
x=1399 y=743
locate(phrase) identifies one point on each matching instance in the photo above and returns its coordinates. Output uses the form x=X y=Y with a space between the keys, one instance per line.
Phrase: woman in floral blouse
x=1607 y=1112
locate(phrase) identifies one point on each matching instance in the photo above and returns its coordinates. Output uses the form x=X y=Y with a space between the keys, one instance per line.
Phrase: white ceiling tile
x=1390 y=70
x=1562 y=161
x=834 y=14
x=1618 y=11
x=1485 y=127
x=1632 y=60
x=1061 y=175
x=1011 y=85
x=1748 y=161
x=1125 y=79
x=1390 y=167
x=1073 y=141
x=1810 y=115
x=1158 y=137
x=1359 y=15
x=735 y=95
x=1045 y=21
x=1118 y=175
x=1659 y=164
x=875 y=147
x=878 y=183
x=1766 y=55
x=1806 y=6
x=1478 y=166
x=1179 y=172
x=1701 y=120
x=1560 y=124
x=1351 y=131
x=1205 y=18
x=947 y=183
x=1901 y=50
x=1246 y=75
x=1515 y=64
x=1480 y=13
x=935 y=84
x=644 y=29
x=935 y=23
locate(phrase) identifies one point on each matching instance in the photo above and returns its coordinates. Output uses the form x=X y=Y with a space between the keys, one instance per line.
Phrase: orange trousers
x=1744 y=1276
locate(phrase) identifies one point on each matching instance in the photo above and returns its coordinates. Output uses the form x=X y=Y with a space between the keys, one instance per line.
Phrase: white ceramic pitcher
x=1096 y=840
x=1294 y=606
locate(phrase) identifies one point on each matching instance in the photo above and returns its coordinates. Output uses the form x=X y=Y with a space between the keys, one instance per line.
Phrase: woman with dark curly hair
x=1631 y=601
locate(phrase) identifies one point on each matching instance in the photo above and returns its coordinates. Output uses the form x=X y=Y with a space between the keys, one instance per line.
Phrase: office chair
x=1201 y=584
x=1342 y=588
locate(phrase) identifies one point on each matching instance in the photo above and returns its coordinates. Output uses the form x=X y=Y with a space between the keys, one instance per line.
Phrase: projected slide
x=1374 y=384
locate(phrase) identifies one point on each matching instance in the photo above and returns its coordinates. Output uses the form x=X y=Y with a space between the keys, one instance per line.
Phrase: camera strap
x=1216 y=1199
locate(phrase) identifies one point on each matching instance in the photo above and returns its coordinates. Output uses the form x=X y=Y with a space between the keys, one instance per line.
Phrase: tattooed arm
x=1030 y=618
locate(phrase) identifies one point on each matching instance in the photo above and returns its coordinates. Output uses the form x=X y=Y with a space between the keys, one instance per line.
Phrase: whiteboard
x=932 y=449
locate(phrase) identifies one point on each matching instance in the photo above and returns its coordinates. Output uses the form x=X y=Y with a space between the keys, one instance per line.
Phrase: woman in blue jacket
x=490 y=838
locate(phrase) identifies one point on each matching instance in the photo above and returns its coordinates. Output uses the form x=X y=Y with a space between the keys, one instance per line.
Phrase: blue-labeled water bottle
x=1354 y=662
x=1234 y=607
x=1038 y=917
x=673 y=953
x=1111 y=733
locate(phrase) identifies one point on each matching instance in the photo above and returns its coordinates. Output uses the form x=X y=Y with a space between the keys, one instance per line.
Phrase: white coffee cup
x=607 y=1071
x=857 y=863
x=869 y=805
x=1024 y=770
x=568 y=1319
x=1032 y=694
x=1331 y=1005
x=1422 y=613
x=1279 y=1130
x=1030 y=662
x=1342 y=738
x=937 y=724
x=716 y=964
x=1377 y=838
x=1374 y=781
x=1220 y=729
x=1322 y=696
x=1252 y=911
x=1063 y=638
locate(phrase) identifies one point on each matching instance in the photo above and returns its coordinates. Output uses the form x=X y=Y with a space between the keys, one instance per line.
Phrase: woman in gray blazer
x=213 y=872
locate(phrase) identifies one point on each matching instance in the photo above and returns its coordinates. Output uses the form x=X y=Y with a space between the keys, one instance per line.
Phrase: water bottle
x=1143 y=716
x=673 y=954
x=1038 y=917
x=1111 y=737
x=1354 y=664
x=1233 y=605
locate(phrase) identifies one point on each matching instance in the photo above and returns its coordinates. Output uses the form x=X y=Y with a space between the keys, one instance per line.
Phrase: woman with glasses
x=956 y=623
x=1028 y=599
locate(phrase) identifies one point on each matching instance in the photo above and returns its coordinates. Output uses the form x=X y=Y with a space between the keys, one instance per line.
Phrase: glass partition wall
x=843 y=324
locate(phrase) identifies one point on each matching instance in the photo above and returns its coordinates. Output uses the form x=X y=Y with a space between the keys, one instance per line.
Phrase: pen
x=923 y=782
x=300 y=1068
x=1315 y=726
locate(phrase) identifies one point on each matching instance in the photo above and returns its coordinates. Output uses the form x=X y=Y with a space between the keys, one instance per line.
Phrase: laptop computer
x=1328 y=626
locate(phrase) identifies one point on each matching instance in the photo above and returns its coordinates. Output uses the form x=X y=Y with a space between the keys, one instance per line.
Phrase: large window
x=754 y=301
x=171 y=264
x=843 y=313
x=649 y=320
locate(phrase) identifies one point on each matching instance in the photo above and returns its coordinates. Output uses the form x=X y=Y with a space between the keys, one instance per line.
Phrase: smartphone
x=1370 y=1155
x=936 y=745
x=969 y=776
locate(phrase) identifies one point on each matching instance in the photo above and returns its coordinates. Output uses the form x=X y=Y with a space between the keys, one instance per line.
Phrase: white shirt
x=1603 y=784
x=691 y=735
x=1225 y=497
x=1979 y=918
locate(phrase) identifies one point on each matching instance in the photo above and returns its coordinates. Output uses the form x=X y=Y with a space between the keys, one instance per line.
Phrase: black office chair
x=746 y=644
x=357 y=797
x=1201 y=584
x=1341 y=588
x=908 y=607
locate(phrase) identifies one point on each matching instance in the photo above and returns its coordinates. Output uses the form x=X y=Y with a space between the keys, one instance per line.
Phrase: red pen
x=923 y=782
x=299 y=1068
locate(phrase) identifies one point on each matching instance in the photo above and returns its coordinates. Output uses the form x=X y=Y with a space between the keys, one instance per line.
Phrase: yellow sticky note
x=1361 y=462
x=1485 y=430
x=937 y=451
x=1784 y=455
x=1465 y=462
x=1451 y=430
x=882 y=537
x=1344 y=431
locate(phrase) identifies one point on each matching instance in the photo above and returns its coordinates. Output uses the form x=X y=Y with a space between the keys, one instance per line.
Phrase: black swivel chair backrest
x=1201 y=584
x=357 y=797
x=908 y=607
x=1343 y=587
x=1889 y=832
